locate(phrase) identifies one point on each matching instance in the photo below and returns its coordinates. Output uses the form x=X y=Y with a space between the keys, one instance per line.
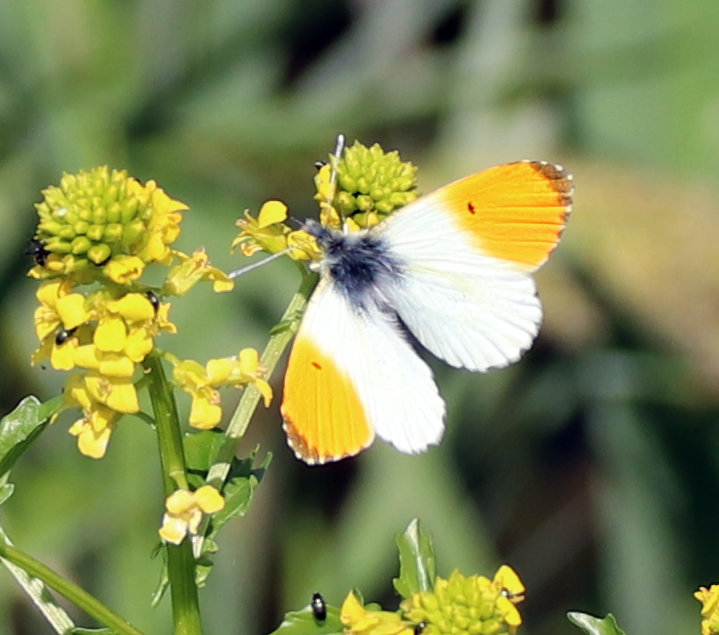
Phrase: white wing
x=350 y=369
x=470 y=309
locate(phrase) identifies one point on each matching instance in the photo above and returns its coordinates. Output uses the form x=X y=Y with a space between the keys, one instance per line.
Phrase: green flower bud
x=474 y=605
x=371 y=180
x=99 y=216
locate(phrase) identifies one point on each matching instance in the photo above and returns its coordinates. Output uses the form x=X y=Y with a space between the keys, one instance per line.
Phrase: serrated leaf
x=595 y=625
x=238 y=491
x=19 y=428
x=417 y=566
x=303 y=622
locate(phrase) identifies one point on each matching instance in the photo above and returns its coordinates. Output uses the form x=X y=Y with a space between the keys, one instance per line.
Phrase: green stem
x=180 y=562
x=281 y=337
x=78 y=596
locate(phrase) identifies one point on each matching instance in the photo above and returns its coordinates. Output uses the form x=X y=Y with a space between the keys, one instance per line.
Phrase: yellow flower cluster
x=185 y=510
x=455 y=605
x=104 y=334
x=710 y=609
x=96 y=234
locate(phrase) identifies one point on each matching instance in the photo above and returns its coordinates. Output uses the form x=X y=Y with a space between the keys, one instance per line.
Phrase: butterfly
x=453 y=270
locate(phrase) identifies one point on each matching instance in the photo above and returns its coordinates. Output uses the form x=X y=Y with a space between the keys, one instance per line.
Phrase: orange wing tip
x=559 y=179
x=515 y=212
x=316 y=455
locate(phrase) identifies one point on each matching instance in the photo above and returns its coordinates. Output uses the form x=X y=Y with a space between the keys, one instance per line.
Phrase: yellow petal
x=118 y=394
x=110 y=334
x=123 y=398
x=209 y=499
x=508 y=579
x=76 y=392
x=204 y=415
x=219 y=370
x=124 y=269
x=179 y=502
x=49 y=292
x=173 y=529
x=86 y=356
x=62 y=357
x=46 y=321
x=93 y=444
x=249 y=361
x=115 y=365
x=134 y=307
x=71 y=309
x=271 y=212
x=138 y=344
x=265 y=390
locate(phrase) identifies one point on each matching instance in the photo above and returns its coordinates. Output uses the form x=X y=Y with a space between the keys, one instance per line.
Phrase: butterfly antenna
x=334 y=165
x=256 y=265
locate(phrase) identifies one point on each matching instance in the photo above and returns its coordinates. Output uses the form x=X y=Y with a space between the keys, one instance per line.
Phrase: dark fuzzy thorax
x=360 y=263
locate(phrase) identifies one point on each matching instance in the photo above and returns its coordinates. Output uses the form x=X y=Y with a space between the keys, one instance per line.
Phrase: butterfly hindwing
x=350 y=374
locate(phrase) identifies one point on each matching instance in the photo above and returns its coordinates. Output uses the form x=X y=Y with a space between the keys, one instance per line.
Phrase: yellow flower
x=117 y=393
x=193 y=269
x=94 y=428
x=185 y=510
x=164 y=222
x=202 y=383
x=60 y=313
x=205 y=411
x=357 y=620
x=710 y=609
x=268 y=232
x=93 y=431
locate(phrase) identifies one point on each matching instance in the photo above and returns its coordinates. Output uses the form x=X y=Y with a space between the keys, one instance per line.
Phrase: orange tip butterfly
x=454 y=269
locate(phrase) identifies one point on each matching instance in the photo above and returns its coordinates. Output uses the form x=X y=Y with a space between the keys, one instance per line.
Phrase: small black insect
x=319 y=608
x=62 y=335
x=37 y=250
x=154 y=300
x=419 y=628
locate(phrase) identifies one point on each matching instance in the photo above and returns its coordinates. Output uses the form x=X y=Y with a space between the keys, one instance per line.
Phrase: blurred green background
x=591 y=466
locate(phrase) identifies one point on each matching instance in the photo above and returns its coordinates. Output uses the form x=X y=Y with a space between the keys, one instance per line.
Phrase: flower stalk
x=180 y=561
x=69 y=590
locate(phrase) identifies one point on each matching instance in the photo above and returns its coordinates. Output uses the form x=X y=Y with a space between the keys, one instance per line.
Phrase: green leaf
x=238 y=492
x=304 y=623
x=164 y=582
x=19 y=428
x=417 y=567
x=6 y=491
x=595 y=625
x=200 y=448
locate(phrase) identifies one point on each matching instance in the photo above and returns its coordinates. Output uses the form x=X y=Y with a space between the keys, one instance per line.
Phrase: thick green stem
x=180 y=562
x=281 y=337
x=78 y=596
